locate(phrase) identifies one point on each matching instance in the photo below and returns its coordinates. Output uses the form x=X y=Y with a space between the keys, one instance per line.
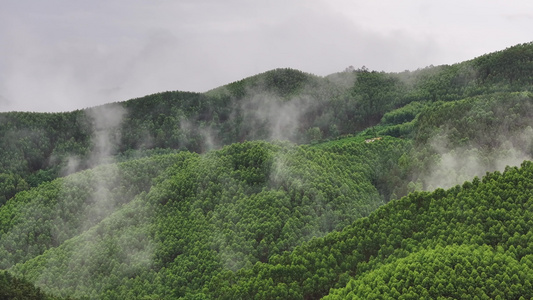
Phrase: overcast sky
x=61 y=55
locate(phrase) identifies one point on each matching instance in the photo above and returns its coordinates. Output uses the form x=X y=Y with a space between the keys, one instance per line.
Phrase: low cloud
x=268 y=116
x=106 y=121
x=456 y=165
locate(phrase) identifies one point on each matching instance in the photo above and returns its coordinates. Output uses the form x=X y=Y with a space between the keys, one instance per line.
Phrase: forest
x=284 y=185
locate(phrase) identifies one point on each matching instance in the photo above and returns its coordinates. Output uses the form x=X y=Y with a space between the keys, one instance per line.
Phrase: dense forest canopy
x=283 y=185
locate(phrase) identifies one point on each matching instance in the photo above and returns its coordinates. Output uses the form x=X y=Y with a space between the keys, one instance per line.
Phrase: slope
x=14 y=288
x=471 y=240
x=45 y=217
x=211 y=214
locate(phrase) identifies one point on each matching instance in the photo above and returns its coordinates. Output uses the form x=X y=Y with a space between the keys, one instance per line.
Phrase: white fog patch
x=285 y=119
x=281 y=173
x=106 y=121
x=278 y=117
x=208 y=138
x=109 y=223
x=457 y=165
x=72 y=165
x=343 y=81
x=268 y=116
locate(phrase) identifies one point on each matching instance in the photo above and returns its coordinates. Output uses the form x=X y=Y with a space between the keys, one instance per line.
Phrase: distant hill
x=279 y=104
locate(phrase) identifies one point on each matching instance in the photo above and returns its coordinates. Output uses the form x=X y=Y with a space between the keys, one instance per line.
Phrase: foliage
x=216 y=213
x=16 y=288
x=404 y=114
x=45 y=217
x=471 y=238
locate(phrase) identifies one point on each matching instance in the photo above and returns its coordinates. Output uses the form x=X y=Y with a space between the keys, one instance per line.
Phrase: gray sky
x=61 y=55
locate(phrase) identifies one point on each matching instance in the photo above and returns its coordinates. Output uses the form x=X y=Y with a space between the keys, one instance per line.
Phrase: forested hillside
x=15 y=288
x=360 y=184
x=281 y=104
x=473 y=240
x=222 y=211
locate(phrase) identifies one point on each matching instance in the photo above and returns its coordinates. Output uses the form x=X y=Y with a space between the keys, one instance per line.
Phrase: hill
x=281 y=104
x=470 y=240
x=282 y=185
x=225 y=210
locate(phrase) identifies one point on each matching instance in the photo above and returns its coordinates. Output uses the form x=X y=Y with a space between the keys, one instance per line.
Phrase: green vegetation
x=219 y=212
x=284 y=185
x=15 y=288
x=47 y=216
x=279 y=104
x=472 y=239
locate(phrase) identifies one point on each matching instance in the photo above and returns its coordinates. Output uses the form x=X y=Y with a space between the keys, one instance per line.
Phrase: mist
x=268 y=116
x=453 y=166
x=106 y=121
